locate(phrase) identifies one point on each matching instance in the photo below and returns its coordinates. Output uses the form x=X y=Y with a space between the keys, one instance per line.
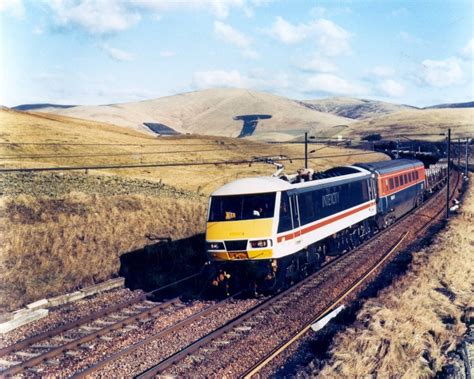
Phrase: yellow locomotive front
x=243 y=219
x=240 y=227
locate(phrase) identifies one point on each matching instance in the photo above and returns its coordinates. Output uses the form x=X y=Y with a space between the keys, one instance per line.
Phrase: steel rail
x=283 y=346
x=82 y=340
x=255 y=369
x=170 y=329
x=259 y=307
x=27 y=343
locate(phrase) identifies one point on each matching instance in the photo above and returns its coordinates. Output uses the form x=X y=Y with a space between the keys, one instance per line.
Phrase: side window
x=285 y=214
x=406 y=178
x=416 y=175
x=365 y=190
x=392 y=184
x=307 y=208
x=396 y=182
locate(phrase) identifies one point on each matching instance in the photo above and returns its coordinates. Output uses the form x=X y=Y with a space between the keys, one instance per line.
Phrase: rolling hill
x=262 y=116
x=424 y=123
x=220 y=112
x=468 y=104
x=354 y=108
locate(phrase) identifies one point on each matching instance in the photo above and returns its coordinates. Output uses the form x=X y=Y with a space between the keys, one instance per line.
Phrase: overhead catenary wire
x=109 y=144
x=167 y=164
x=35 y=156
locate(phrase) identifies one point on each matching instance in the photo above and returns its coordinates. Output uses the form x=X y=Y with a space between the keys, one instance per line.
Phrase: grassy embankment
x=61 y=231
x=408 y=329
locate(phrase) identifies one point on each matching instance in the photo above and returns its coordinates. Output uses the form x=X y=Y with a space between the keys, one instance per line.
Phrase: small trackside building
x=400 y=187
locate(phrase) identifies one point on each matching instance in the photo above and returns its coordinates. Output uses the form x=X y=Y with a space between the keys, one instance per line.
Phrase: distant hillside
x=219 y=112
x=424 y=123
x=354 y=108
x=469 y=104
x=37 y=107
x=261 y=116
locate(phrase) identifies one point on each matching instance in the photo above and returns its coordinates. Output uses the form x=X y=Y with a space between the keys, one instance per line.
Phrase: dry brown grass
x=51 y=246
x=407 y=330
x=23 y=127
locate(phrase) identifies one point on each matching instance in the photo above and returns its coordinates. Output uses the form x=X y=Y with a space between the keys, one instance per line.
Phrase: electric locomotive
x=272 y=230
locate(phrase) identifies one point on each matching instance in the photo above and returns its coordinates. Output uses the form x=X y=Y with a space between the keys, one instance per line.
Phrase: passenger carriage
x=400 y=187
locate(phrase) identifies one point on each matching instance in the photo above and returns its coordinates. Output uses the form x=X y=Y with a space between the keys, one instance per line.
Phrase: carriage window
x=392 y=184
x=285 y=214
x=242 y=207
x=402 y=182
x=416 y=174
x=396 y=181
x=307 y=207
x=406 y=178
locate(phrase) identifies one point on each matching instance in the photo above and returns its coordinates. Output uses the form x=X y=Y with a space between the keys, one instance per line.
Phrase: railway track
x=267 y=365
x=239 y=333
x=24 y=355
x=245 y=345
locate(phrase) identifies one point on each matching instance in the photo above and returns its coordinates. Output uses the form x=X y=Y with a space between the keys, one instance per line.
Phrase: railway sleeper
x=6 y=364
x=44 y=347
x=220 y=342
x=243 y=328
x=26 y=354
x=72 y=353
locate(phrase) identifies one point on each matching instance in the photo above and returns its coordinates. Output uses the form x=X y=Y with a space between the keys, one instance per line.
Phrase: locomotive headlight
x=215 y=246
x=260 y=243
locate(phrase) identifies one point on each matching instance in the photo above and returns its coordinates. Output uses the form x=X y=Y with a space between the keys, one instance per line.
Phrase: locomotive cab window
x=242 y=207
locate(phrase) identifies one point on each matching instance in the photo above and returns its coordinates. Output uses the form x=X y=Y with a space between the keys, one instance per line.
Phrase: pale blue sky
x=108 y=51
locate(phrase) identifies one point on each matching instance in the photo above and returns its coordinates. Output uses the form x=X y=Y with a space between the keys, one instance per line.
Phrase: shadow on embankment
x=162 y=263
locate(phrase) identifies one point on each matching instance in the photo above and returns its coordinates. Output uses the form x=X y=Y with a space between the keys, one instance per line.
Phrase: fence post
x=449 y=173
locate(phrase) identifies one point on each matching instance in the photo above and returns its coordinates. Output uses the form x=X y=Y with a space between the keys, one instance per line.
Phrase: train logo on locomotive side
x=330 y=199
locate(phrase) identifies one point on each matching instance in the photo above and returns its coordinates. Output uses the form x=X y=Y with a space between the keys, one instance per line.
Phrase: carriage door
x=295 y=214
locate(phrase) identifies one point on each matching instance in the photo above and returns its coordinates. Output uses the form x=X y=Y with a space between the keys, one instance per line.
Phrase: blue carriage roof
x=390 y=166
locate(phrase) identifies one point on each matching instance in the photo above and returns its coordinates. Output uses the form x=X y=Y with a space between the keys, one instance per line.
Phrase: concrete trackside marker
x=39 y=309
x=22 y=318
x=321 y=323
